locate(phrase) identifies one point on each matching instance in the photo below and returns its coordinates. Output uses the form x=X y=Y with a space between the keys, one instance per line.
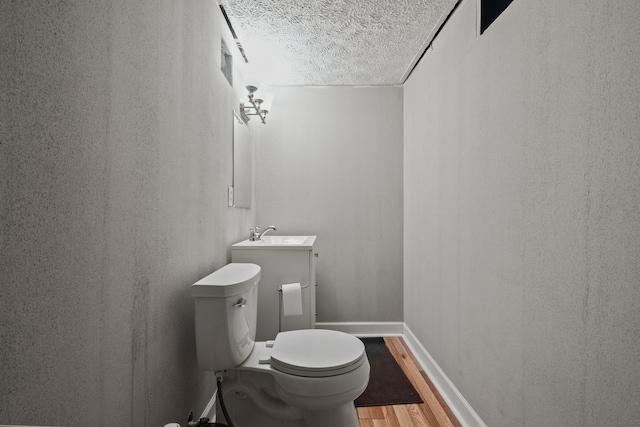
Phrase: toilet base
x=245 y=413
x=252 y=400
x=343 y=416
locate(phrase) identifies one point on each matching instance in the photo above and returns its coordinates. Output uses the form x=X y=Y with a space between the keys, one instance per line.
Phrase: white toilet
x=307 y=377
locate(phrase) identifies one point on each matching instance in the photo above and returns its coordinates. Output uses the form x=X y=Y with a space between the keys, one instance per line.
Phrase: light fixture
x=259 y=104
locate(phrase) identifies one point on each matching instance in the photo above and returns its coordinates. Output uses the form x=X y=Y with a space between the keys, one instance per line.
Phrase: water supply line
x=204 y=420
x=222 y=405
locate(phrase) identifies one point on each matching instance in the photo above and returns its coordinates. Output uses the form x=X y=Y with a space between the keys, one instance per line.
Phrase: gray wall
x=522 y=168
x=330 y=163
x=115 y=160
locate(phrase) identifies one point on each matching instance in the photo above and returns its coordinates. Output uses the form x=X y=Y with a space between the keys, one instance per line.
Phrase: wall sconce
x=259 y=104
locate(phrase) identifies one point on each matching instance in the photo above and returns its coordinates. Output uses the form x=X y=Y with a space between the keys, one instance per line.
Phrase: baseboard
x=458 y=404
x=365 y=329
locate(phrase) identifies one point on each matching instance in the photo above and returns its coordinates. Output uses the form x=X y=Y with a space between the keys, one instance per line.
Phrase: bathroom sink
x=284 y=240
x=278 y=242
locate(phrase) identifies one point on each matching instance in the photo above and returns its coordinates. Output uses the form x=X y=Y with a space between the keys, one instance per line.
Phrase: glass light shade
x=267 y=101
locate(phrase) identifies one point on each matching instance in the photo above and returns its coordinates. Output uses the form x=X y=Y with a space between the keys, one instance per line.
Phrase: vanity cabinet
x=283 y=259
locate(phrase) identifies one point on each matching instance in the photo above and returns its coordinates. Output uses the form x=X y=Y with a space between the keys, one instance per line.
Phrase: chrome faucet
x=255 y=234
x=269 y=228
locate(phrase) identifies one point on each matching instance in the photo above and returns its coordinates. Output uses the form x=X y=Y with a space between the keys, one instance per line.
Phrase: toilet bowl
x=311 y=376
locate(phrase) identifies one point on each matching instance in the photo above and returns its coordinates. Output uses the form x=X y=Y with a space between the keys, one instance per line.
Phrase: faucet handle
x=253 y=234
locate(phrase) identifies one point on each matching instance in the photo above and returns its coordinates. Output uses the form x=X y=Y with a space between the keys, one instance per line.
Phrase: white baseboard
x=457 y=403
x=365 y=329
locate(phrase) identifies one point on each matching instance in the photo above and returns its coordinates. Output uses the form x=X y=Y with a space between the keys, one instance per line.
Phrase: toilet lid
x=316 y=353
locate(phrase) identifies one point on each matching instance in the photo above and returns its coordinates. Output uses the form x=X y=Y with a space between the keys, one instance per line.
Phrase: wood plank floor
x=434 y=412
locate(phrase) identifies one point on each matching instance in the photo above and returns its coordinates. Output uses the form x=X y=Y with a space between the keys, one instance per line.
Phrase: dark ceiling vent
x=233 y=33
x=490 y=10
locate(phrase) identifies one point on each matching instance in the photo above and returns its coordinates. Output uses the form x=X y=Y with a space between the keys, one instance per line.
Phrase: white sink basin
x=283 y=240
x=278 y=242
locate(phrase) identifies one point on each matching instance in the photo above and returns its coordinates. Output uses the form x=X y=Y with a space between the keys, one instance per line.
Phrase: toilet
x=307 y=377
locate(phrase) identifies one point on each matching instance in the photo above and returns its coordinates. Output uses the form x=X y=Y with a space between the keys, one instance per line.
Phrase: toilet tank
x=225 y=315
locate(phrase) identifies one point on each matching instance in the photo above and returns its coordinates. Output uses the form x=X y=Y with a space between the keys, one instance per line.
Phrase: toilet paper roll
x=291 y=299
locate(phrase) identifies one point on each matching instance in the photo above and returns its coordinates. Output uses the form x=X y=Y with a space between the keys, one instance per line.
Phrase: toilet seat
x=316 y=353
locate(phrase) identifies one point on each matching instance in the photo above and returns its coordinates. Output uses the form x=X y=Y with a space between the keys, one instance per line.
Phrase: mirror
x=242 y=163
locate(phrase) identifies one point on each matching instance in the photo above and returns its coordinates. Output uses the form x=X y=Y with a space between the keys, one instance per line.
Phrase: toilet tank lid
x=232 y=279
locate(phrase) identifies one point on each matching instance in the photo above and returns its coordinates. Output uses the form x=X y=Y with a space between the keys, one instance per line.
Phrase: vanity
x=283 y=260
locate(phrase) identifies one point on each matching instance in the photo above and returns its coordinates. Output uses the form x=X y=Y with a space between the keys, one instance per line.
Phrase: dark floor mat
x=388 y=385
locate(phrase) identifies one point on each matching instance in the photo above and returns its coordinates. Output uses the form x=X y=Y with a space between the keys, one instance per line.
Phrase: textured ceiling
x=334 y=42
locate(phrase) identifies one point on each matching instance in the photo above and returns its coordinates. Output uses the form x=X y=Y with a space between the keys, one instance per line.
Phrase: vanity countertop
x=278 y=242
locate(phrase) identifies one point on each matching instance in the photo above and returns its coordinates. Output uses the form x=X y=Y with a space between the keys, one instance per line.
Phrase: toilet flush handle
x=241 y=303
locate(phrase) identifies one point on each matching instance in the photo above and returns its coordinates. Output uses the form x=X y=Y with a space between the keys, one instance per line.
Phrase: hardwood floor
x=434 y=412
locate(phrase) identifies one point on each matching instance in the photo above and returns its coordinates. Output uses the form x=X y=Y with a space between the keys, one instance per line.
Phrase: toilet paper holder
x=280 y=305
